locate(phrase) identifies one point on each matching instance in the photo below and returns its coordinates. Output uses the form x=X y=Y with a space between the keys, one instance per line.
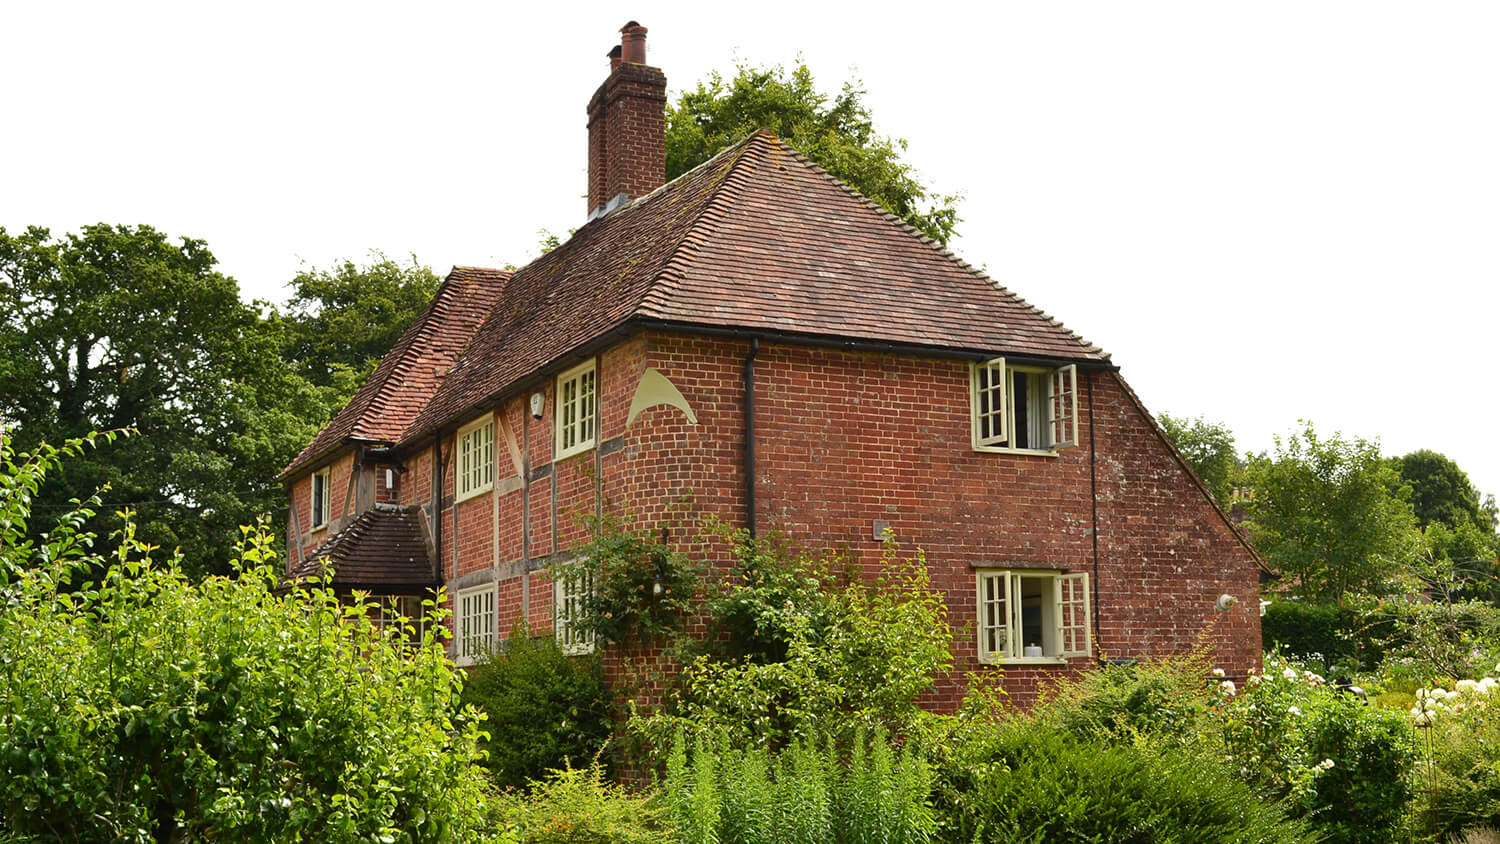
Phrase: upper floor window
x=318 y=509
x=577 y=410
x=476 y=624
x=1032 y=615
x=1023 y=408
x=476 y=457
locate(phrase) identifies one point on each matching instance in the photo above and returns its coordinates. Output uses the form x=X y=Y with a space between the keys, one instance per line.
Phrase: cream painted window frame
x=474 y=623
x=1060 y=417
x=474 y=456
x=576 y=412
x=569 y=586
x=319 y=517
x=998 y=616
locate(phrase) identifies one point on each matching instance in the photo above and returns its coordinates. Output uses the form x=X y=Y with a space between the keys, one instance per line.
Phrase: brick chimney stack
x=627 y=127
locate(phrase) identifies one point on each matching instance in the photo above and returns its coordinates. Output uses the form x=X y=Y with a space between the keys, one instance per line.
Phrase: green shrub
x=143 y=707
x=1460 y=782
x=808 y=792
x=1303 y=630
x=1021 y=781
x=571 y=806
x=1346 y=765
x=543 y=708
x=1163 y=701
x=823 y=662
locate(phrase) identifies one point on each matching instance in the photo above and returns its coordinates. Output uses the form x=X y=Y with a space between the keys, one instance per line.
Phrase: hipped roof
x=757 y=239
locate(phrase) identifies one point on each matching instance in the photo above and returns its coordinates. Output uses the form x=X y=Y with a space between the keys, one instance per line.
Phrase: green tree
x=118 y=327
x=341 y=321
x=1331 y=515
x=1209 y=448
x=145 y=707
x=839 y=135
x=1442 y=492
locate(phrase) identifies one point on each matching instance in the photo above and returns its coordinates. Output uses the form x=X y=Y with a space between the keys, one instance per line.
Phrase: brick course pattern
x=844 y=439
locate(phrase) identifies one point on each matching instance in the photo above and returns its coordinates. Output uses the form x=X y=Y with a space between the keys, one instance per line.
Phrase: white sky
x=1266 y=211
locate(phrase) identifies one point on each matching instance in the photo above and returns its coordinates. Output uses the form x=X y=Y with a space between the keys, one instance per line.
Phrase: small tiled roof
x=383 y=547
x=758 y=238
x=411 y=371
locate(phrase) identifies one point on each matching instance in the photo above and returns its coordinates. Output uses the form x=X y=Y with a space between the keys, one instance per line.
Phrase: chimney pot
x=633 y=43
x=614 y=58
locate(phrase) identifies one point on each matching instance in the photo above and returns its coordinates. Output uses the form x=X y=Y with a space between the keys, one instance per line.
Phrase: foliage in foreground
x=143 y=707
x=544 y=710
x=577 y=806
x=793 y=654
x=863 y=792
x=1022 y=781
x=1346 y=765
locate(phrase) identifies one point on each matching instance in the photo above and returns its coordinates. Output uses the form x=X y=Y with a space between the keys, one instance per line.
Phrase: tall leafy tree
x=838 y=134
x=122 y=327
x=341 y=321
x=1209 y=448
x=1441 y=491
x=1331 y=515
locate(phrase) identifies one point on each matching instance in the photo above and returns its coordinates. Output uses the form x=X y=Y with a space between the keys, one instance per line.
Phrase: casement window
x=476 y=624
x=476 y=457
x=318 y=508
x=577 y=410
x=400 y=610
x=1023 y=408
x=569 y=588
x=1032 y=616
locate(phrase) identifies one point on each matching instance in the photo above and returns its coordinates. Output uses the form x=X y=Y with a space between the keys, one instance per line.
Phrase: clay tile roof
x=411 y=371
x=757 y=238
x=385 y=547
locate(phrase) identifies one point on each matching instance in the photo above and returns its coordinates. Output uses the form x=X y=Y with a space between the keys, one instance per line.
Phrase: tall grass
x=810 y=792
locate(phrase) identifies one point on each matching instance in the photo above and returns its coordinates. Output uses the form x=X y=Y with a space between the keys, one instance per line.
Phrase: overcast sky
x=1265 y=211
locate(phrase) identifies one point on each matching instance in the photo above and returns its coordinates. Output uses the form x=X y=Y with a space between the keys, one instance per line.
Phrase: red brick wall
x=844 y=439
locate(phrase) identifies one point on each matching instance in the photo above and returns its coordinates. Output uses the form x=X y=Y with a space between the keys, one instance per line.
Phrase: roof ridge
x=728 y=190
x=936 y=247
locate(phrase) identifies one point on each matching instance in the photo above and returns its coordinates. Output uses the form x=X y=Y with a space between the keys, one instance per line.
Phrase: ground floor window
x=399 y=610
x=568 y=592
x=476 y=624
x=1032 y=615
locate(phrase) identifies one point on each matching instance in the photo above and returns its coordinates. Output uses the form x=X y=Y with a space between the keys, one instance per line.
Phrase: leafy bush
x=1302 y=629
x=1345 y=764
x=642 y=589
x=1020 y=781
x=577 y=806
x=807 y=792
x=143 y=707
x=1163 y=701
x=822 y=662
x=543 y=708
x=1461 y=778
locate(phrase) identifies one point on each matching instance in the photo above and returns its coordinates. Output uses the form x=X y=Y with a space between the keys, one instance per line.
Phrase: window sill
x=318 y=529
x=1024 y=660
x=575 y=451
x=1000 y=449
x=473 y=493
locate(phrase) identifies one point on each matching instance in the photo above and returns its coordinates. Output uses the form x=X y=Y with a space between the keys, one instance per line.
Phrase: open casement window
x=1023 y=408
x=476 y=457
x=476 y=624
x=577 y=410
x=319 y=507
x=1032 y=616
x=569 y=589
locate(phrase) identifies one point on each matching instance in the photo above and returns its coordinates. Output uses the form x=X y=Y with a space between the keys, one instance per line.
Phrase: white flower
x=1292 y=710
x=1424 y=718
x=1467 y=686
x=1252 y=680
x=1325 y=764
x=1218 y=672
x=1227 y=687
x=1289 y=673
x=1314 y=679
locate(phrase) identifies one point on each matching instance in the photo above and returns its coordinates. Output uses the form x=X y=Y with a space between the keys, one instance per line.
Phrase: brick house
x=761 y=341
